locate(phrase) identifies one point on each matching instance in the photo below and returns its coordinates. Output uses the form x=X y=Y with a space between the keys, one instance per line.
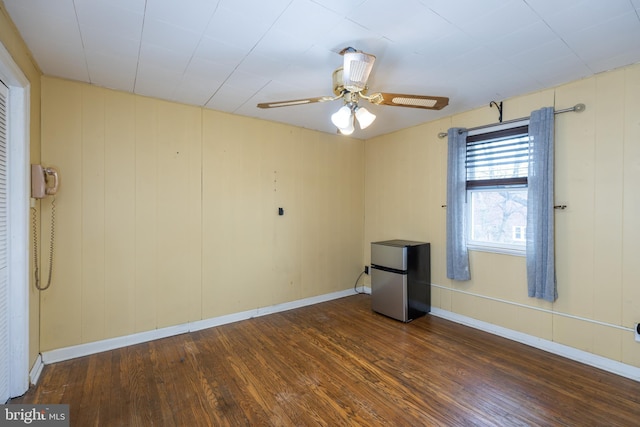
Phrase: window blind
x=497 y=159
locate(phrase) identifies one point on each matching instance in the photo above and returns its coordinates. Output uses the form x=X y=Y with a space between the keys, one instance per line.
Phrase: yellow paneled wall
x=169 y=213
x=597 y=236
x=13 y=43
x=254 y=257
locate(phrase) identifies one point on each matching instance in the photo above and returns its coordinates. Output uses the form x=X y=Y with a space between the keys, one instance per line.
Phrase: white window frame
x=474 y=245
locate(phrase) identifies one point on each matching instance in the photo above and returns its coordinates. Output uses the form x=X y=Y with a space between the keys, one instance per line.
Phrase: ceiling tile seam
x=361 y=26
x=270 y=81
x=252 y=96
x=443 y=18
x=202 y=36
x=457 y=27
x=557 y=35
x=144 y=19
x=541 y=19
x=517 y=65
x=84 y=51
x=248 y=53
x=333 y=10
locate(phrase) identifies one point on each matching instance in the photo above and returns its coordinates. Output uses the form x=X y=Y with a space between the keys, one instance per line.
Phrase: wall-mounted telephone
x=44 y=182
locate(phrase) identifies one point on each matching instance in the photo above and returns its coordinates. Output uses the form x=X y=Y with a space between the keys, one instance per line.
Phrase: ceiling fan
x=350 y=85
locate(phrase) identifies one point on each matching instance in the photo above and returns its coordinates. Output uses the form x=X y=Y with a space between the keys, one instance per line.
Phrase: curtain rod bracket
x=499 y=107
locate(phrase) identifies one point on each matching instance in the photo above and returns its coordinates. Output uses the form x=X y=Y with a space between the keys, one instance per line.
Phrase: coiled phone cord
x=34 y=222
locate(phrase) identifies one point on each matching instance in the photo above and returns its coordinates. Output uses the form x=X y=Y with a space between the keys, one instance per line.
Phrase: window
x=519 y=233
x=497 y=167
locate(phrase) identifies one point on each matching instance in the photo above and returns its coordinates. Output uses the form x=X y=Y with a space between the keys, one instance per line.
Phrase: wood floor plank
x=96 y=390
x=336 y=363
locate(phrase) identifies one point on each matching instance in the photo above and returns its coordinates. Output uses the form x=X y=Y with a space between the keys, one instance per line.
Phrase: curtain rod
x=578 y=108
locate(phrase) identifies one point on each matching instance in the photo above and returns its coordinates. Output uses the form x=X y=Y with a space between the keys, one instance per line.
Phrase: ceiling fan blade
x=297 y=102
x=414 y=101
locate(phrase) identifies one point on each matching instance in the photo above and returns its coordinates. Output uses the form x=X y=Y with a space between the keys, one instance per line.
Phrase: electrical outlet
x=637 y=332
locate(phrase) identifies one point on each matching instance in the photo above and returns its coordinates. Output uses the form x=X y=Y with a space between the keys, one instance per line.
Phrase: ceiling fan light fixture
x=347 y=130
x=342 y=118
x=356 y=69
x=365 y=117
x=350 y=85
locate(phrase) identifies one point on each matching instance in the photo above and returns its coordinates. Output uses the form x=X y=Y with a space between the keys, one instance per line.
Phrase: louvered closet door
x=4 y=282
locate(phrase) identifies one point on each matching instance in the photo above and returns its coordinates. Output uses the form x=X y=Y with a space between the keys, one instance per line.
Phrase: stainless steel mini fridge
x=401 y=279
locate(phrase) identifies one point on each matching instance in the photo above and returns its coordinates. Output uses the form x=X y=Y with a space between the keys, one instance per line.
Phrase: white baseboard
x=581 y=356
x=67 y=353
x=263 y=311
x=73 y=352
x=36 y=370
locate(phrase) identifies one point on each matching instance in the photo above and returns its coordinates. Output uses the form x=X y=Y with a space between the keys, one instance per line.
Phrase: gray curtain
x=541 y=270
x=457 y=254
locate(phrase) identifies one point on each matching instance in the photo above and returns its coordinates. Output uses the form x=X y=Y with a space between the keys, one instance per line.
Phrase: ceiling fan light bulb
x=348 y=130
x=365 y=117
x=342 y=118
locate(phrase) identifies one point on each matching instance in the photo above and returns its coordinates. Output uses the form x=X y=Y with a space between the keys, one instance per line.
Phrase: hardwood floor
x=336 y=363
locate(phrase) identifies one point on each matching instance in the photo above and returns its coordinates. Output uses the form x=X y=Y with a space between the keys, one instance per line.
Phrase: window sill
x=498 y=250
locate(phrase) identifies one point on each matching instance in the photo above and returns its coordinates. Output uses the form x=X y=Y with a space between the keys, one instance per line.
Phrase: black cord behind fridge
x=355 y=285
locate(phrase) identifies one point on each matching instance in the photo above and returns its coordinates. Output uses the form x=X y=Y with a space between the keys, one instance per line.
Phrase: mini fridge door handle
x=390 y=270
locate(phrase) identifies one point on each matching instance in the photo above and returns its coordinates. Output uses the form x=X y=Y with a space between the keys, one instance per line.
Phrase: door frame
x=18 y=220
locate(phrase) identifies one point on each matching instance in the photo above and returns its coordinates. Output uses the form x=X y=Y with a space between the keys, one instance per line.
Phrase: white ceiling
x=229 y=55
